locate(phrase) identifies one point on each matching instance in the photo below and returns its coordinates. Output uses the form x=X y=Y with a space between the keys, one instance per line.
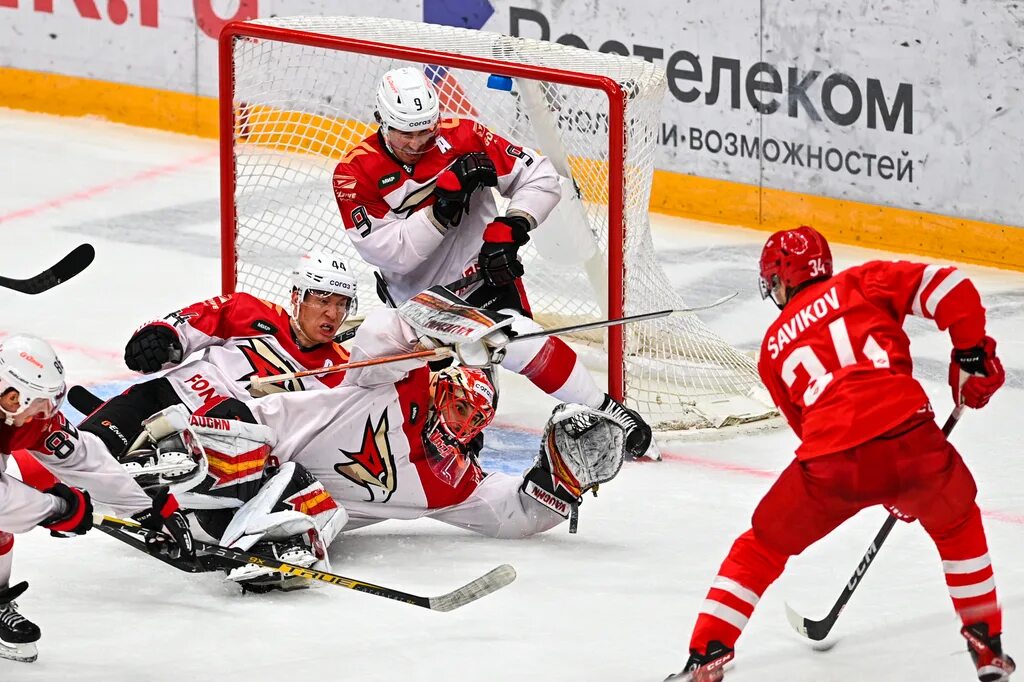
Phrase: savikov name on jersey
x=804 y=318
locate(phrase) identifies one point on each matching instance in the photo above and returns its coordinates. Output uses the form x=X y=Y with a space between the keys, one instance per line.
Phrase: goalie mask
x=316 y=278
x=463 y=405
x=29 y=367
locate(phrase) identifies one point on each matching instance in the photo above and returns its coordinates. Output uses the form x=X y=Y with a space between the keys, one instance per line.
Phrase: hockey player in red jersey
x=408 y=197
x=31 y=391
x=239 y=337
x=838 y=365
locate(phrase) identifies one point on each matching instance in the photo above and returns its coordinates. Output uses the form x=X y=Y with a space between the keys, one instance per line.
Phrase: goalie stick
x=444 y=352
x=817 y=630
x=66 y=268
x=492 y=581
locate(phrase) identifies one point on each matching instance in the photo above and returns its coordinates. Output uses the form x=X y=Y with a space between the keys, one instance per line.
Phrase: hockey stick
x=444 y=351
x=817 y=630
x=493 y=580
x=66 y=268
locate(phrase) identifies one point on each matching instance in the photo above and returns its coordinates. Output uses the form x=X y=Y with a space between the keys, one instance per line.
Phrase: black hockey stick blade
x=68 y=266
x=123 y=534
x=491 y=581
x=84 y=400
x=818 y=630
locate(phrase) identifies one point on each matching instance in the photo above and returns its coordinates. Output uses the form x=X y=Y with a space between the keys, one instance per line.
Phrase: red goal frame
x=616 y=146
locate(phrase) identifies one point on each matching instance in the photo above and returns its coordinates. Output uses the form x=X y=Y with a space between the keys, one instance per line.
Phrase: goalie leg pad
x=580 y=449
x=292 y=518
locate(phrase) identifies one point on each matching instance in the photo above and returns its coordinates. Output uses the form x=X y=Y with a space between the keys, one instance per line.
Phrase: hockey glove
x=76 y=518
x=455 y=185
x=499 y=255
x=164 y=516
x=975 y=374
x=151 y=348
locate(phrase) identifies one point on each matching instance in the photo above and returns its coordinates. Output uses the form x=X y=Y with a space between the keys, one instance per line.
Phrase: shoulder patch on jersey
x=414 y=411
x=264 y=326
x=389 y=179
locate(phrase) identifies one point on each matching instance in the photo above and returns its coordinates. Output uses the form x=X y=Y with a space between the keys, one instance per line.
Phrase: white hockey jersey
x=362 y=440
x=78 y=458
x=381 y=202
x=241 y=336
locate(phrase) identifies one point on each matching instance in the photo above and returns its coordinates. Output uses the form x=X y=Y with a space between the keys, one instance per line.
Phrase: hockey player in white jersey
x=393 y=442
x=235 y=338
x=409 y=200
x=31 y=391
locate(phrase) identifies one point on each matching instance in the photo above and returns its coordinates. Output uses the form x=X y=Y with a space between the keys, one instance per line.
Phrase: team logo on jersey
x=266 y=362
x=345 y=187
x=372 y=467
x=414 y=200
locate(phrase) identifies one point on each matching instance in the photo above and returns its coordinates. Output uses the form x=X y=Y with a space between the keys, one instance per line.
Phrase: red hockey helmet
x=791 y=258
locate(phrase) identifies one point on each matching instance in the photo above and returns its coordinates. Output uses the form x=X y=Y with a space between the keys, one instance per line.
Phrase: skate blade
x=24 y=653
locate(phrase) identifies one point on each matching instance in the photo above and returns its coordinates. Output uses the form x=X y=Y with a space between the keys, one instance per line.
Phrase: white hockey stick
x=445 y=351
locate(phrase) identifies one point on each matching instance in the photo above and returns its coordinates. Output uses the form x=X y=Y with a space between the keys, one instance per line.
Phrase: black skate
x=987 y=652
x=707 y=667
x=18 y=635
x=638 y=433
x=260 y=579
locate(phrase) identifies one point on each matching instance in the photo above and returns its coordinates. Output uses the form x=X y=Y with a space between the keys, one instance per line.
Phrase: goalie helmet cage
x=297 y=95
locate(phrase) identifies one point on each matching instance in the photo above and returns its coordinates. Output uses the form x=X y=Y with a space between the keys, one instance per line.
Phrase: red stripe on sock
x=551 y=366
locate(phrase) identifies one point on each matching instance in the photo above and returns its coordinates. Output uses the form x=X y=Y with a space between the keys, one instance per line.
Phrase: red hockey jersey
x=380 y=200
x=241 y=336
x=837 y=362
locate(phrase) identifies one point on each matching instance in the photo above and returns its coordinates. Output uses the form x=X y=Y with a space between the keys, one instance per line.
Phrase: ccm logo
x=31 y=359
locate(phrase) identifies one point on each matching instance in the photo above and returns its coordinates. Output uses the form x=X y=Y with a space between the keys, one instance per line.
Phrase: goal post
x=296 y=95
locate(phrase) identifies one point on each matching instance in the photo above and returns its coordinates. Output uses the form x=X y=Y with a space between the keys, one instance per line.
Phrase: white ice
x=615 y=602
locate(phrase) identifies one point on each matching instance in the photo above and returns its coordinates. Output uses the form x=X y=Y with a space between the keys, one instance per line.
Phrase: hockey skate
x=639 y=442
x=987 y=652
x=707 y=667
x=260 y=579
x=18 y=635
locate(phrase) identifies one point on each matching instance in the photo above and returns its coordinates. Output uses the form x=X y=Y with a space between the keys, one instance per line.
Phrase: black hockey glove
x=76 y=518
x=151 y=348
x=499 y=255
x=163 y=519
x=455 y=185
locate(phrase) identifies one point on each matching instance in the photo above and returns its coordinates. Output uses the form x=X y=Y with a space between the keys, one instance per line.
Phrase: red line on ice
x=88 y=193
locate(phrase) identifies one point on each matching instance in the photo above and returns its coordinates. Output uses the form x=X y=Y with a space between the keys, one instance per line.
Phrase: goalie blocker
x=581 y=448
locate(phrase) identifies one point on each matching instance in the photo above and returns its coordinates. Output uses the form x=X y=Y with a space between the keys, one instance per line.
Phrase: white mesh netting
x=298 y=109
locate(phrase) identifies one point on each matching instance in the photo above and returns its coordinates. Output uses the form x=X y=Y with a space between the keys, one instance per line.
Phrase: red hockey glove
x=151 y=348
x=164 y=516
x=902 y=516
x=499 y=255
x=77 y=516
x=975 y=374
x=455 y=185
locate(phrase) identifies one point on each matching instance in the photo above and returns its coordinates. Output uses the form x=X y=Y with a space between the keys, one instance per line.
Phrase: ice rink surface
x=614 y=602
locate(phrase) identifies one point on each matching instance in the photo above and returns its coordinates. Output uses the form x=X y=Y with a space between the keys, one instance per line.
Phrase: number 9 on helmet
x=31 y=379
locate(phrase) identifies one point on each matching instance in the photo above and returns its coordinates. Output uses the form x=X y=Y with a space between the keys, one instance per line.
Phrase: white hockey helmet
x=407 y=101
x=323 y=274
x=30 y=366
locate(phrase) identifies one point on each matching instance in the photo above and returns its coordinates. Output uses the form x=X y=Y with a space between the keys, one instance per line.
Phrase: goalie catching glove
x=580 y=449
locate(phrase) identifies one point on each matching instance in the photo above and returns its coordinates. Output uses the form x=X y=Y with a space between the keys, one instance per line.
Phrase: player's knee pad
x=580 y=449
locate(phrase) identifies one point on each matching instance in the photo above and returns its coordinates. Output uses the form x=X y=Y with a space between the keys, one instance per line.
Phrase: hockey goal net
x=298 y=93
